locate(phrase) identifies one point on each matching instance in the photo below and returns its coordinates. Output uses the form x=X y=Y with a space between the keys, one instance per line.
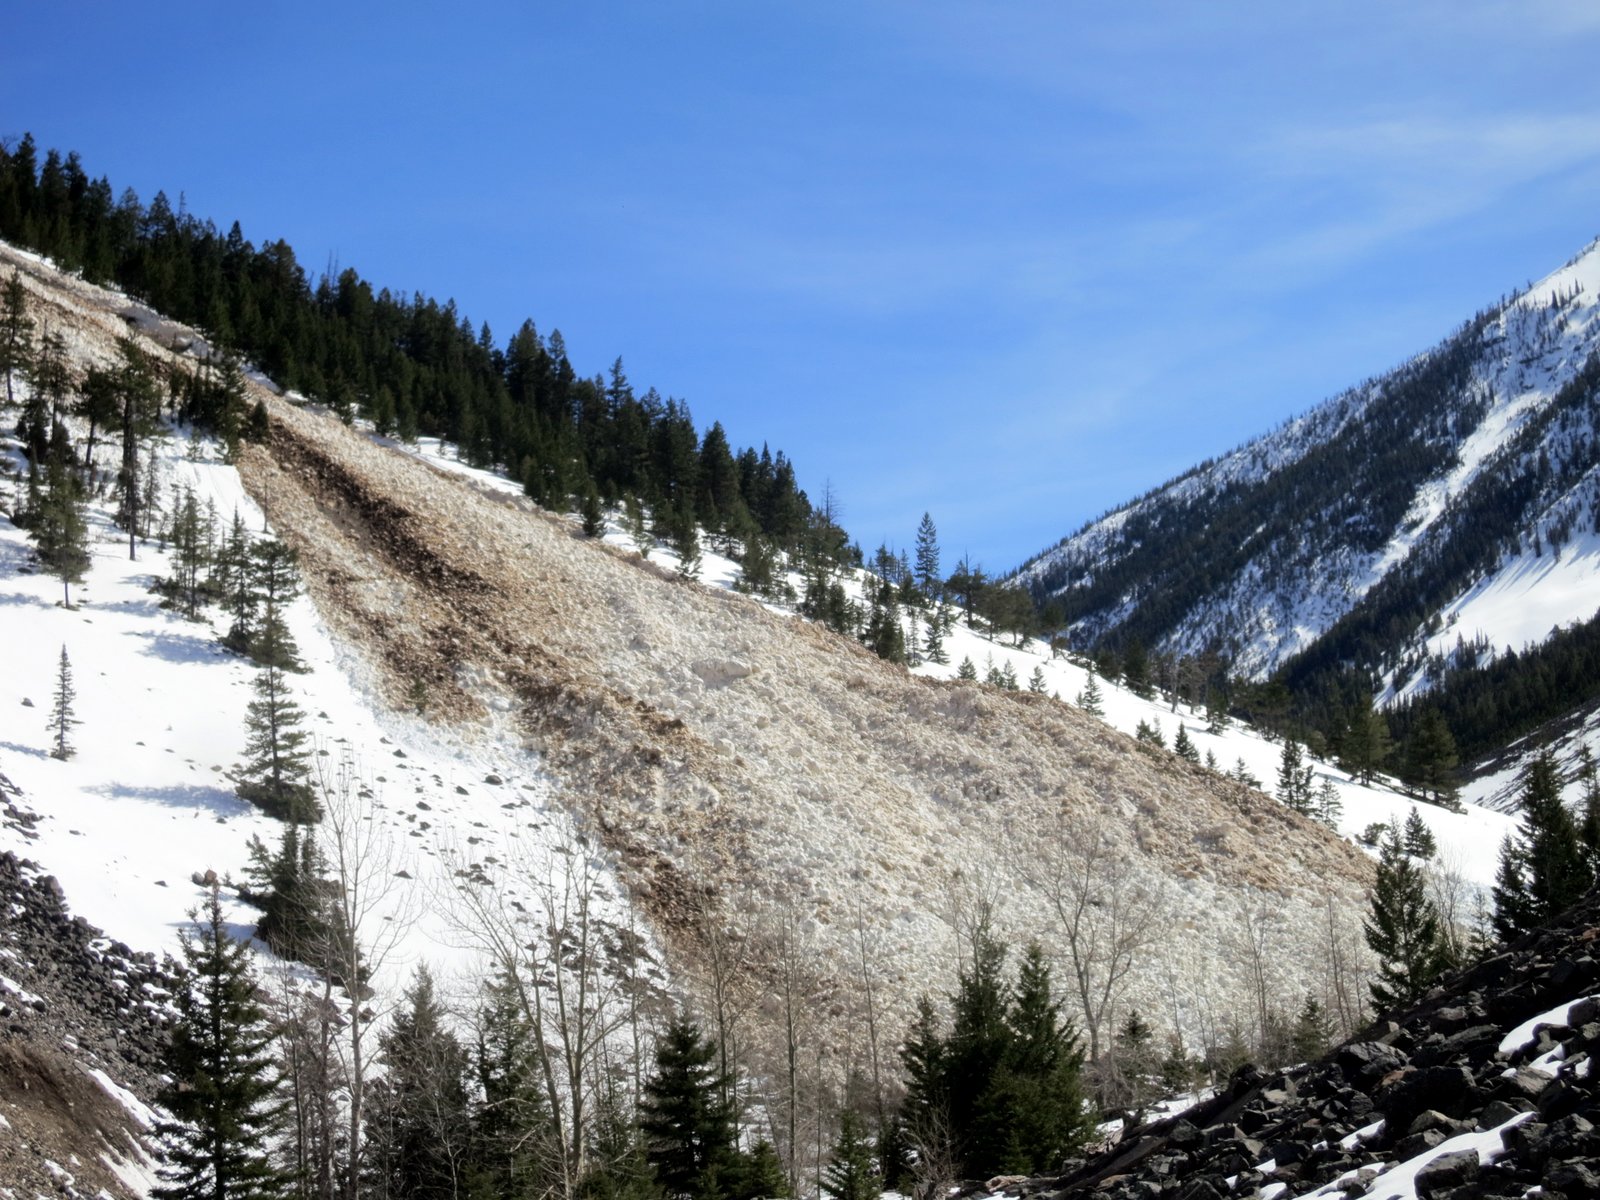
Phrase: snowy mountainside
x=727 y=764
x=1442 y=494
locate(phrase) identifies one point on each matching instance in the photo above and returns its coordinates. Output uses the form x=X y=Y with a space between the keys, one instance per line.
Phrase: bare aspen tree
x=1108 y=917
x=369 y=921
x=728 y=959
x=552 y=954
x=1451 y=893
x=1345 y=978
x=1255 y=929
x=867 y=955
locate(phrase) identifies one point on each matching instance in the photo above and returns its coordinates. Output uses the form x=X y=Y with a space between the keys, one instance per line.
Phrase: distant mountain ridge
x=1446 y=508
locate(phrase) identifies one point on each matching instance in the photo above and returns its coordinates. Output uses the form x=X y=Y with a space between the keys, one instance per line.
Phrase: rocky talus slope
x=743 y=769
x=80 y=1018
x=1487 y=1089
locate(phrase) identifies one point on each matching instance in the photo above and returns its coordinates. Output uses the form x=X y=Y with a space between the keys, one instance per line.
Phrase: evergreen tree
x=1312 y=1033
x=1365 y=745
x=1402 y=929
x=60 y=528
x=417 y=1118
x=1183 y=747
x=633 y=516
x=933 y=642
x=1558 y=865
x=975 y=1053
x=1136 y=669
x=1036 y=681
x=619 y=1169
x=926 y=1107
x=512 y=1127
x=233 y=580
x=594 y=517
x=290 y=888
x=1514 y=910
x=275 y=775
x=1041 y=1084
x=221 y=1080
x=16 y=333
x=850 y=1174
x=687 y=1124
x=1589 y=828
x=1294 y=777
x=61 y=718
x=191 y=538
x=1243 y=774
x=1150 y=734
x=967 y=671
x=138 y=409
x=1430 y=756
x=1002 y=1091
x=1419 y=839
x=1329 y=806
x=885 y=636
x=1089 y=699
x=275 y=581
x=50 y=381
x=927 y=569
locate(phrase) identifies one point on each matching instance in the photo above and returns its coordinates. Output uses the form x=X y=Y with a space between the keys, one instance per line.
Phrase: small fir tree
x=1313 y=1031
x=1589 y=828
x=16 y=333
x=1036 y=681
x=1089 y=699
x=60 y=527
x=1545 y=869
x=687 y=1124
x=633 y=516
x=1329 y=807
x=221 y=1085
x=1402 y=928
x=850 y=1174
x=1294 y=777
x=933 y=642
x=417 y=1119
x=1419 y=839
x=61 y=718
x=1183 y=747
x=275 y=775
x=927 y=569
x=594 y=517
x=967 y=671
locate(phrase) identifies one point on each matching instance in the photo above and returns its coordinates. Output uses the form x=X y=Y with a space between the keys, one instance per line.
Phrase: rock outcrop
x=1489 y=1088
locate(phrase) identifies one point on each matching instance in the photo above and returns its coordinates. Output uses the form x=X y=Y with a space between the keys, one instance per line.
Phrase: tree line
x=411 y=365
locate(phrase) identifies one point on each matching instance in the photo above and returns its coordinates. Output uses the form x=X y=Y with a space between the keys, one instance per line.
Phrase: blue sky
x=1012 y=263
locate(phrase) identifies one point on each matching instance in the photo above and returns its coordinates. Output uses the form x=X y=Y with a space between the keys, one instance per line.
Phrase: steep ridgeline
x=1437 y=512
x=1486 y=1089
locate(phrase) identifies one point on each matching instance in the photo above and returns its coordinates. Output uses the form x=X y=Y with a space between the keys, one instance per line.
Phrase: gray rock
x=1447 y=1172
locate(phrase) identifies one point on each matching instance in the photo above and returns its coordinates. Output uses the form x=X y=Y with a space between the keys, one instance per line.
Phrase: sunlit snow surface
x=146 y=805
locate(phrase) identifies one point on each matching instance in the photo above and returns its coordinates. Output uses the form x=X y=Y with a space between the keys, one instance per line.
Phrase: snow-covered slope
x=730 y=766
x=1455 y=497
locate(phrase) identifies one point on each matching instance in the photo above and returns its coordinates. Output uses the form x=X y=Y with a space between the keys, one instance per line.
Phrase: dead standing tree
x=368 y=924
x=541 y=929
x=1108 y=917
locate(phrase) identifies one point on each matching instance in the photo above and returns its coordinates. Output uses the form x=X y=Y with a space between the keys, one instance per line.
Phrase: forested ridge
x=1223 y=563
x=1349 y=488
x=411 y=365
